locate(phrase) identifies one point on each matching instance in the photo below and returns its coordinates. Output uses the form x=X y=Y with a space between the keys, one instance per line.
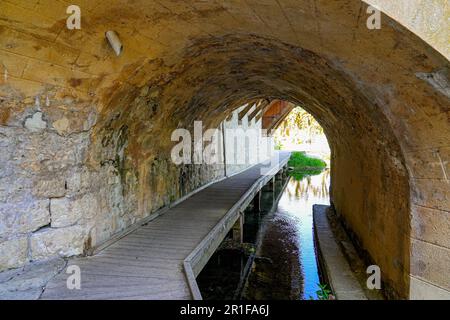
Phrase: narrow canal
x=277 y=259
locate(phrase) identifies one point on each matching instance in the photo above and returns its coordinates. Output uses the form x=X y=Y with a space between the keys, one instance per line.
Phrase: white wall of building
x=245 y=143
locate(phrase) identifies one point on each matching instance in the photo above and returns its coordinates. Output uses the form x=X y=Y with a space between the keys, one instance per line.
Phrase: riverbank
x=301 y=161
x=302 y=165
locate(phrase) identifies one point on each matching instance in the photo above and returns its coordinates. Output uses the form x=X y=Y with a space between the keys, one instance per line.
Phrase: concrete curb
x=342 y=281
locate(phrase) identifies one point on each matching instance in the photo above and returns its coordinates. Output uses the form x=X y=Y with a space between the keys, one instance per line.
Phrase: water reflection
x=296 y=206
x=284 y=265
x=309 y=183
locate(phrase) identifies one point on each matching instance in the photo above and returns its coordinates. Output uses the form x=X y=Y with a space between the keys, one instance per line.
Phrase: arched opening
x=369 y=173
x=270 y=252
x=299 y=131
x=102 y=142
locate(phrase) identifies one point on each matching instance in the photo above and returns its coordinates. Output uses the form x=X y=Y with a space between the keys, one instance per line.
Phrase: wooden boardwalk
x=161 y=259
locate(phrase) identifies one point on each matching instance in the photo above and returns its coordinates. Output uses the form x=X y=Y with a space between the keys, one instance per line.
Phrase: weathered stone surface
x=430 y=262
x=68 y=211
x=24 y=216
x=62 y=126
x=82 y=180
x=200 y=64
x=438 y=79
x=35 y=123
x=63 y=242
x=29 y=294
x=14 y=253
x=50 y=187
x=431 y=225
x=427 y=18
x=9 y=274
x=422 y=290
x=28 y=282
x=432 y=193
x=436 y=162
x=67 y=120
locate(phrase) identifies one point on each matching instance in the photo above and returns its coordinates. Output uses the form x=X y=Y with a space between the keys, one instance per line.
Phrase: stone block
x=30 y=279
x=80 y=181
x=431 y=225
x=431 y=193
x=424 y=164
x=68 y=211
x=24 y=216
x=50 y=187
x=14 y=253
x=421 y=290
x=64 y=242
x=430 y=262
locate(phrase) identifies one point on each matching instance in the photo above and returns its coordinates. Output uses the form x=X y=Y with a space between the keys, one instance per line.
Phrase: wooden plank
x=105 y=291
x=160 y=259
x=202 y=253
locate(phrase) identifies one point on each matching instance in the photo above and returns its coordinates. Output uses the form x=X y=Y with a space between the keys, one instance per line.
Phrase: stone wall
x=429 y=19
x=368 y=182
x=44 y=184
x=84 y=130
x=66 y=188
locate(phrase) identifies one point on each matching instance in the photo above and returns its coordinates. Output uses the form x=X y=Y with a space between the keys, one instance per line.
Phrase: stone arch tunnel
x=85 y=134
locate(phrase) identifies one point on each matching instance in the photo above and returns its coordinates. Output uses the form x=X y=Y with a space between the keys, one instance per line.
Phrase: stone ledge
x=27 y=283
x=342 y=281
x=422 y=290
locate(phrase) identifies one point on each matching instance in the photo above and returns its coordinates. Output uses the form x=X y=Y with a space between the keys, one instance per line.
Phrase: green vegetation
x=298 y=175
x=300 y=160
x=304 y=165
x=324 y=293
x=278 y=146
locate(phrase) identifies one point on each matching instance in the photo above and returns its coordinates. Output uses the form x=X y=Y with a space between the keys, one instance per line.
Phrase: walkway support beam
x=238 y=229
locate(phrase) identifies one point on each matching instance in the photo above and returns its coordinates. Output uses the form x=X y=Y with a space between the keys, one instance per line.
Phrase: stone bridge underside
x=85 y=135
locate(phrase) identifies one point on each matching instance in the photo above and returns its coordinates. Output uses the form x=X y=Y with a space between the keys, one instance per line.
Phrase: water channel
x=278 y=258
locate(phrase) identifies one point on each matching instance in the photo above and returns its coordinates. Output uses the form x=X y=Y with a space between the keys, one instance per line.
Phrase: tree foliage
x=298 y=120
